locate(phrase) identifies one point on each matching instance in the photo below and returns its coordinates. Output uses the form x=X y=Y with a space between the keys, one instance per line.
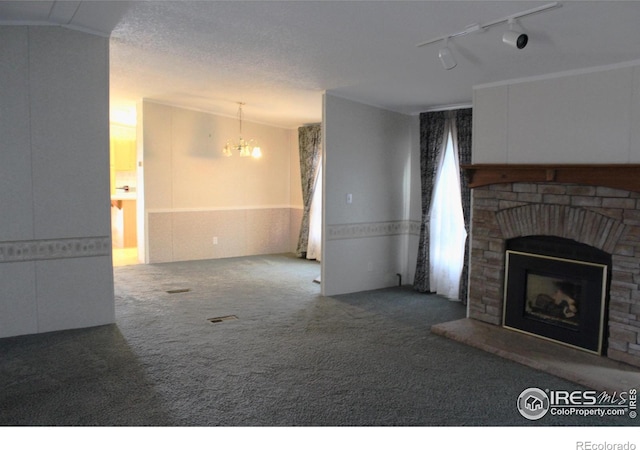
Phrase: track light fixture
x=515 y=38
x=512 y=37
x=446 y=58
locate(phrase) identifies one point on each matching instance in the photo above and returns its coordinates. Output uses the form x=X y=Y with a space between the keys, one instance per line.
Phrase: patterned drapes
x=310 y=148
x=464 y=125
x=432 y=128
x=432 y=135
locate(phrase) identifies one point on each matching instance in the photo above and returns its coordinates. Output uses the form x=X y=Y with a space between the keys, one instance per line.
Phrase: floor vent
x=222 y=319
x=178 y=291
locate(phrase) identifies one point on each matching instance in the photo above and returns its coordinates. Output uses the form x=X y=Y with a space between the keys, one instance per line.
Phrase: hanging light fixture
x=243 y=147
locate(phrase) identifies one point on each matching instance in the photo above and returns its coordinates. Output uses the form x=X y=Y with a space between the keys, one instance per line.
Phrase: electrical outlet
x=215 y=240
x=370 y=267
x=349 y=199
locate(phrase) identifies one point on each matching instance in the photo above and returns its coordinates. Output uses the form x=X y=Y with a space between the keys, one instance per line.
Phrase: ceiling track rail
x=475 y=28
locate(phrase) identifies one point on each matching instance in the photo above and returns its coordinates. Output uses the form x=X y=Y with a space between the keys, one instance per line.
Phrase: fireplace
x=595 y=207
x=557 y=289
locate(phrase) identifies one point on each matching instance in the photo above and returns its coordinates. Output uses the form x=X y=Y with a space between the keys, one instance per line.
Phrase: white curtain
x=448 y=235
x=314 y=247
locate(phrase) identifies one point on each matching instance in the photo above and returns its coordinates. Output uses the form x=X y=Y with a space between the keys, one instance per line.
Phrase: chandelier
x=243 y=147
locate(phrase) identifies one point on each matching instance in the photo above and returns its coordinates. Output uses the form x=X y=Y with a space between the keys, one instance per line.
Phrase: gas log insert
x=557 y=289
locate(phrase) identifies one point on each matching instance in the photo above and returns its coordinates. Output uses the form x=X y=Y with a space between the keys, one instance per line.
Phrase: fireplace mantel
x=617 y=176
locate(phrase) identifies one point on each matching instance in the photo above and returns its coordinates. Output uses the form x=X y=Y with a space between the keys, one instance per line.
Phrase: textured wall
x=582 y=118
x=370 y=154
x=55 y=252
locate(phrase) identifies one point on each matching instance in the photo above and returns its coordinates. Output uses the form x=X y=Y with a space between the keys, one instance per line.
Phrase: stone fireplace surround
x=607 y=218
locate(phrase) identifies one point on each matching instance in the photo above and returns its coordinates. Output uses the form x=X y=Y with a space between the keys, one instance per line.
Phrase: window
x=447 y=232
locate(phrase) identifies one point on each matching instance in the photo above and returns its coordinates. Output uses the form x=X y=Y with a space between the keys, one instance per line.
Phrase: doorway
x=124 y=194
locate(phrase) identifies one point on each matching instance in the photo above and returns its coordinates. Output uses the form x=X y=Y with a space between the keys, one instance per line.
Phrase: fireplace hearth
x=557 y=289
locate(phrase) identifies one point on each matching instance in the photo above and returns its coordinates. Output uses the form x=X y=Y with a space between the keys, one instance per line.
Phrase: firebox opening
x=557 y=289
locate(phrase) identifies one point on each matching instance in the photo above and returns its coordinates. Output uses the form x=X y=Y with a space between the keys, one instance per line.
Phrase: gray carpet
x=292 y=357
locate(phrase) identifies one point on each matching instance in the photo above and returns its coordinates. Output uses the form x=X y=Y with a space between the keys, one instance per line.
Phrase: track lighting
x=512 y=37
x=515 y=38
x=446 y=58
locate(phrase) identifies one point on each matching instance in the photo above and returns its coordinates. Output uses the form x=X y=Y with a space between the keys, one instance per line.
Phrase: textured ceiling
x=278 y=57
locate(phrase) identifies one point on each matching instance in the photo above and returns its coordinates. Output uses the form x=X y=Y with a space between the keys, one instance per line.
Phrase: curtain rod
x=448 y=107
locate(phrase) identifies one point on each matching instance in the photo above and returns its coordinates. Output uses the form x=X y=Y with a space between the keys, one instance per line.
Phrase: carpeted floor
x=291 y=358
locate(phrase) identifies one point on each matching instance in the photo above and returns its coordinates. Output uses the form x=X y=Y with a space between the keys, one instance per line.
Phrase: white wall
x=55 y=249
x=370 y=154
x=588 y=118
x=193 y=193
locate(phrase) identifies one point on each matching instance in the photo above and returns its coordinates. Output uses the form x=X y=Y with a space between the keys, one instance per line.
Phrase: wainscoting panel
x=160 y=233
x=267 y=231
x=295 y=220
x=211 y=234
